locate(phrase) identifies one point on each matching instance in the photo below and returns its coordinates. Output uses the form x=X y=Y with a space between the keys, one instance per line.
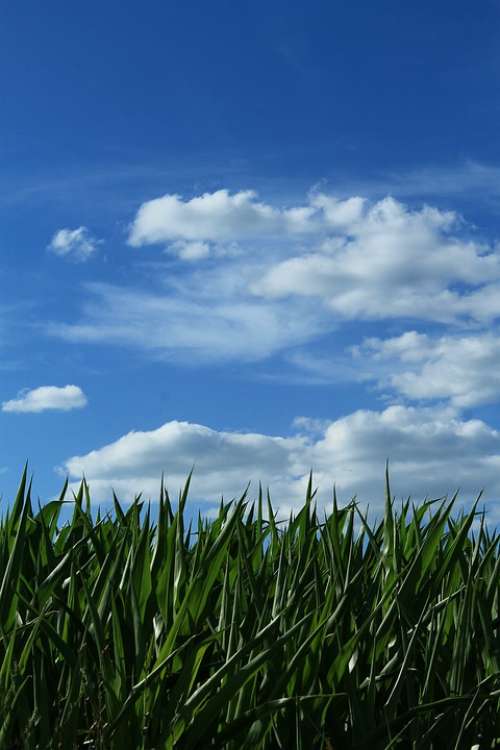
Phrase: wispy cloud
x=475 y=183
x=75 y=244
x=207 y=319
x=47 y=397
x=468 y=178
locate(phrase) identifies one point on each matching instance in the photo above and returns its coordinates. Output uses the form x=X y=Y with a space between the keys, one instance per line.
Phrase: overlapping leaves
x=324 y=632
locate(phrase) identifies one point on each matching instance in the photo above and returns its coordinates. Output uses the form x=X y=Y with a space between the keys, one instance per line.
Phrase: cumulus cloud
x=224 y=461
x=432 y=452
x=214 y=217
x=47 y=397
x=77 y=244
x=464 y=369
x=390 y=262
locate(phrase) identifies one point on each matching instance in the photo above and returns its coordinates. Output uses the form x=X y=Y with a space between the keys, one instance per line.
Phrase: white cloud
x=390 y=262
x=194 y=250
x=431 y=452
x=77 y=244
x=47 y=397
x=224 y=461
x=214 y=217
x=464 y=369
x=339 y=213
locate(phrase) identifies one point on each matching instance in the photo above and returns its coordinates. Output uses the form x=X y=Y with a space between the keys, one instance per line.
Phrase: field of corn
x=242 y=632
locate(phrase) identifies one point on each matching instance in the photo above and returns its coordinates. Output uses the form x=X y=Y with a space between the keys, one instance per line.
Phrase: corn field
x=327 y=631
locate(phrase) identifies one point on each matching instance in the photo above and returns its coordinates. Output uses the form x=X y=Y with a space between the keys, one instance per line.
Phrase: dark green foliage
x=325 y=633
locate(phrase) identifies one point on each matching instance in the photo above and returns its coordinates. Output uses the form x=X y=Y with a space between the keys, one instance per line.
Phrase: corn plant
x=327 y=631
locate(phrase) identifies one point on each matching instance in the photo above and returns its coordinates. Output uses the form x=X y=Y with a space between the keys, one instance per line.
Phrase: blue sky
x=255 y=237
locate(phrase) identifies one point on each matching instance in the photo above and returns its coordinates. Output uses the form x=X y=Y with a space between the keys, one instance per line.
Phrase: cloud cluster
x=262 y=279
x=361 y=259
x=76 y=244
x=431 y=452
x=47 y=397
x=299 y=272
